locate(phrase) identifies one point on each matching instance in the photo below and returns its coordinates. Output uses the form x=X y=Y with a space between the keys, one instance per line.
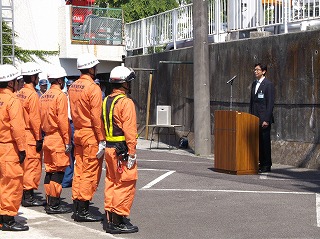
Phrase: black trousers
x=265 y=147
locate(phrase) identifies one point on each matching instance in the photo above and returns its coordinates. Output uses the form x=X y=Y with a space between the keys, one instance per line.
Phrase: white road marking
x=318 y=209
x=266 y=177
x=152 y=169
x=149 y=185
x=263 y=176
x=44 y=226
x=225 y=191
x=175 y=161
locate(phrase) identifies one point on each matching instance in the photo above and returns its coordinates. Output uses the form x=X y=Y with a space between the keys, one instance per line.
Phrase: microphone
x=231 y=80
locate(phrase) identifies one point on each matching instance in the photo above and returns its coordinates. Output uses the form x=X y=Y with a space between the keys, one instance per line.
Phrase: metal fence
x=225 y=16
x=99 y=26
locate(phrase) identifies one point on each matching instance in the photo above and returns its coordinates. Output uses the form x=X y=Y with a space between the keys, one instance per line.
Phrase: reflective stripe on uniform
x=108 y=120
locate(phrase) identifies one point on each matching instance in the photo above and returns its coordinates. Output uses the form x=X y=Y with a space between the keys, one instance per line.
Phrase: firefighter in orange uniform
x=121 y=135
x=32 y=165
x=89 y=139
x=12 y=150
x=56 y=146
x=43 y=84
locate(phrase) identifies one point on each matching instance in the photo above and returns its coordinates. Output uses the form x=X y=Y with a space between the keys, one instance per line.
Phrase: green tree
x=111 y=3
x=19 y=53
x=138 y=9
x=181 y=2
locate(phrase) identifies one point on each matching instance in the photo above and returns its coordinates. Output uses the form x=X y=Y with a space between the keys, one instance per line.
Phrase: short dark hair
x=263 y=67
x=84 y=71
x=3 y=85
x=115 y=85
x=27 y=79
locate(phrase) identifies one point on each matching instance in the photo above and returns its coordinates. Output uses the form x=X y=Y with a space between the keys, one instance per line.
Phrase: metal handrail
x=225 y=17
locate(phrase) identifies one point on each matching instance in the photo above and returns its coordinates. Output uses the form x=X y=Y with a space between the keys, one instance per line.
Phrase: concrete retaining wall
x=293 y=65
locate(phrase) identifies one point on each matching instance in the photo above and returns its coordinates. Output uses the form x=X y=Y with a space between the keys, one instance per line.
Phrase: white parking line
x=276 y=178
x=45 y=226
x=318 y=209
x=236 y=191
x=226 y=191
x=263 y=177
x=149 y=185
x=175 y=161
x=152 y=169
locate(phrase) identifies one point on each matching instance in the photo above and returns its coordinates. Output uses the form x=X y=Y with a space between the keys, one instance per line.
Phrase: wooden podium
x=236 y=142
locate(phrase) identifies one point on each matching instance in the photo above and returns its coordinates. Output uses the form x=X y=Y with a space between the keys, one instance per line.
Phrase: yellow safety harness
x=113 y=132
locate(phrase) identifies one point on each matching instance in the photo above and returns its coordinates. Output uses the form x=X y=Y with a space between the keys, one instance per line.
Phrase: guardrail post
x=286 y=15
x=217 y=19
x=144 y=36
x=174 y=28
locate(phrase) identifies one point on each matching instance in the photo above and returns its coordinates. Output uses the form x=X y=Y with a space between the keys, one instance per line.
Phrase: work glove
x=131 y=161
x=102 y=146
x=68 y=148
x=39 y=145
x=22 y=156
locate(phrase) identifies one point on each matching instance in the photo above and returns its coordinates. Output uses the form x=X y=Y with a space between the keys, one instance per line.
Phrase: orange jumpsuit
x=12 y=140
x=120 y=187
x=55 y=124
x=32 y=164
x=85 y=103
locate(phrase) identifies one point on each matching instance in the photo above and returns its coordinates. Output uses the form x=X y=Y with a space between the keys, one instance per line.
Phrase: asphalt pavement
x=180 y=196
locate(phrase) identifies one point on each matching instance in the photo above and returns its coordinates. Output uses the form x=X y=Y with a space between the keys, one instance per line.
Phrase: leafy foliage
x=181 y=2
x=111 y=3
x=138 y=9
x=20 y=54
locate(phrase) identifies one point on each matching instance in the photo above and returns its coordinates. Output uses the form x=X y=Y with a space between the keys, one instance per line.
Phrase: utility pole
x=202 y=123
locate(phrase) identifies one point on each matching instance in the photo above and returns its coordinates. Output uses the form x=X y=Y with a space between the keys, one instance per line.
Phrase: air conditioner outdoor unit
x=163 y=115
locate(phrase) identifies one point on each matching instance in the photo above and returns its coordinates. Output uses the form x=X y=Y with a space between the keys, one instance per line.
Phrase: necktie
x=257 y=86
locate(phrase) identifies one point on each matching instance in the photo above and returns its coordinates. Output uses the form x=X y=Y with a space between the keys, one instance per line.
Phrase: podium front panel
x=236 y=144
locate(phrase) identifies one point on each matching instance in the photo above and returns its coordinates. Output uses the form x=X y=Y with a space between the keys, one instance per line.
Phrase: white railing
x=171 y=27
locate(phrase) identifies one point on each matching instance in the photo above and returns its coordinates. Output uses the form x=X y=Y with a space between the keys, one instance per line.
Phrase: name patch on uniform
x=21 y=96
x=75 y=86
x=47 y=96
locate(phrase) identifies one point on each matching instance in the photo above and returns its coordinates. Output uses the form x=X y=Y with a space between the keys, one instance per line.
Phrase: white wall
x=68 y=50
x=45 y=25
x=71 y=66
x=36 y=23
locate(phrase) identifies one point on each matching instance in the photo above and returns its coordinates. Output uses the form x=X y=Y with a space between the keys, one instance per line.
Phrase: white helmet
x=87 y=61
x=57 y=72
x=8 y=73
x=121 y=74
x=30 y=68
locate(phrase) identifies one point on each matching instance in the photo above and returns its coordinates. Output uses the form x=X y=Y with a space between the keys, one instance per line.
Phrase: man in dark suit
x=261 y=105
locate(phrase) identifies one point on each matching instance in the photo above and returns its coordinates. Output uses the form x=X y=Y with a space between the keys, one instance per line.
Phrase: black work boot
x=55 y=207
x=9 y=224
x=1 y=221
x=75 y=207
x=47 y=202
x=83 y=214
x=122 y=224
x=109 y=225
x=28 y=199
